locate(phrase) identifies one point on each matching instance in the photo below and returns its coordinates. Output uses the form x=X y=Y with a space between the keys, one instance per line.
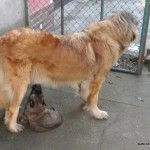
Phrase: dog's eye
x=31 y=103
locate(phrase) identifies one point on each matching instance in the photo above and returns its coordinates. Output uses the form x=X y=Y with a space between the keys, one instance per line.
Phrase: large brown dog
x=81 y=59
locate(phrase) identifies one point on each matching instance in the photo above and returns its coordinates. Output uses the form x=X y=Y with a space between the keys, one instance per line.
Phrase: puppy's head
x=36 y=99
x=35 y=103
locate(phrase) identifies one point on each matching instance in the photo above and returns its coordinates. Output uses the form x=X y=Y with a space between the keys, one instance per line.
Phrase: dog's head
x=127 y=22
x=119 y=27
x=36 y=101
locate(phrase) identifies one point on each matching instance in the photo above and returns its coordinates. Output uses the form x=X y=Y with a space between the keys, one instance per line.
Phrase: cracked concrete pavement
x=127 y=126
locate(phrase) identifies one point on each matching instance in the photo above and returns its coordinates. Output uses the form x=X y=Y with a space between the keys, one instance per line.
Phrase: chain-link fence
x=68 y=16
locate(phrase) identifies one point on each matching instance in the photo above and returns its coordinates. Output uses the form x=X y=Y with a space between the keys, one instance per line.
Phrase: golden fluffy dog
x=81 y=59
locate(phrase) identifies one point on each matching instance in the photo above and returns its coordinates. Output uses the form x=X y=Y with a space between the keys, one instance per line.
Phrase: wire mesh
x=68 y=16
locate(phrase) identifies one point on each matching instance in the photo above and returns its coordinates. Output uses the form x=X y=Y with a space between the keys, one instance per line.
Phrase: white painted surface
x=12 y=14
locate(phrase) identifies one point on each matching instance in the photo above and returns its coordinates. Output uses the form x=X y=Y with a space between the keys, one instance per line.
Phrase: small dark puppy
x=37 y=114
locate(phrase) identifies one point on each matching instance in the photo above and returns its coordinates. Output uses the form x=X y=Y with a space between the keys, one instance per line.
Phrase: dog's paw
x=15 y=128
x=96 y=112
x=99 y=114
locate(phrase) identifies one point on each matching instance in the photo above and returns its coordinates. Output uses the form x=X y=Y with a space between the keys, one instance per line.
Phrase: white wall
x=12 y=15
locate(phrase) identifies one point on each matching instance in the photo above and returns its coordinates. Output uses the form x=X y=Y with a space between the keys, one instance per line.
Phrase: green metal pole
x=123 y=71
x=26 y=13
x=143 y=36
x=62 y=17
x=102 y=10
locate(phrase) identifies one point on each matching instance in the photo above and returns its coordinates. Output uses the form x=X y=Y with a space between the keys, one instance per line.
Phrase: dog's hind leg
x=92 y=99
x=18 y=80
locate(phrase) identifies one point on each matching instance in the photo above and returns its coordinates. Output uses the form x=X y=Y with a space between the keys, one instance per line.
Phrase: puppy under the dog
x=81 y=59
x=40 y=117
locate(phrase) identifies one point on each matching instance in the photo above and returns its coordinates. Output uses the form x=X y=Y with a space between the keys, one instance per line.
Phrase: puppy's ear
x=44 y=103
x=52 y=108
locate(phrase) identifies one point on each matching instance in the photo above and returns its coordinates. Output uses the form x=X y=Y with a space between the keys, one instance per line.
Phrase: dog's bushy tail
x=5 y=91
x=3 y=98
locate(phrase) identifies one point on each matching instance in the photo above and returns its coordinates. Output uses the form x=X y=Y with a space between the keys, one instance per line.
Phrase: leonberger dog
x=80 y=60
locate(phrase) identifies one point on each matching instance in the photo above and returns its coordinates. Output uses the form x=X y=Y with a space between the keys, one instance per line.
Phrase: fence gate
x=68 y=16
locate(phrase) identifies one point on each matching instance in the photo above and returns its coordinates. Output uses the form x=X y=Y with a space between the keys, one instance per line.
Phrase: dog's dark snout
x=37 y=89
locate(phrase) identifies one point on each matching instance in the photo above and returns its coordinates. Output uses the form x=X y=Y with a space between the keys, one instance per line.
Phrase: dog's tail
x=3 y=99
x=5 y=92
x=5 y=95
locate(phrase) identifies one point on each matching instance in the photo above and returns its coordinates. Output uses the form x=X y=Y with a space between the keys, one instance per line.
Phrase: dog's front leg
x=92 y=99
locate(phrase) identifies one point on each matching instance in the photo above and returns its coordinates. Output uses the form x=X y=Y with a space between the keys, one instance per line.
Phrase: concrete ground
x=125 y=97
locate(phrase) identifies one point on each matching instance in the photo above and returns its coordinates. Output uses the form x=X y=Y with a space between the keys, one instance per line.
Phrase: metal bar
x=123 y=70
x=102 y=10
x=143 y=36
x=62 y=17
x=149 y=66
x=26 y=13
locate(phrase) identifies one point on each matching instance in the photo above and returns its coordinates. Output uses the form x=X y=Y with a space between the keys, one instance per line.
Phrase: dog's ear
x=133 y=36
x=44 y=103
x=52 y=108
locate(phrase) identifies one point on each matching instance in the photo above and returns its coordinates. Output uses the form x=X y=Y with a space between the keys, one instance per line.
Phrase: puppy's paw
x=15 y=128
x=99 y=114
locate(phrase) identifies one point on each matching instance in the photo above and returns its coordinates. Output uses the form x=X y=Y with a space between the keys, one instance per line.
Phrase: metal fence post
x=143 y=36
x=26 y=13
x=62 y=17
x=102 y=10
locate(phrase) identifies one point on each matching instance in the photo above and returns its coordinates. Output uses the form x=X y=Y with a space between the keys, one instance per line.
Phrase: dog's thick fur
x=82 y=59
